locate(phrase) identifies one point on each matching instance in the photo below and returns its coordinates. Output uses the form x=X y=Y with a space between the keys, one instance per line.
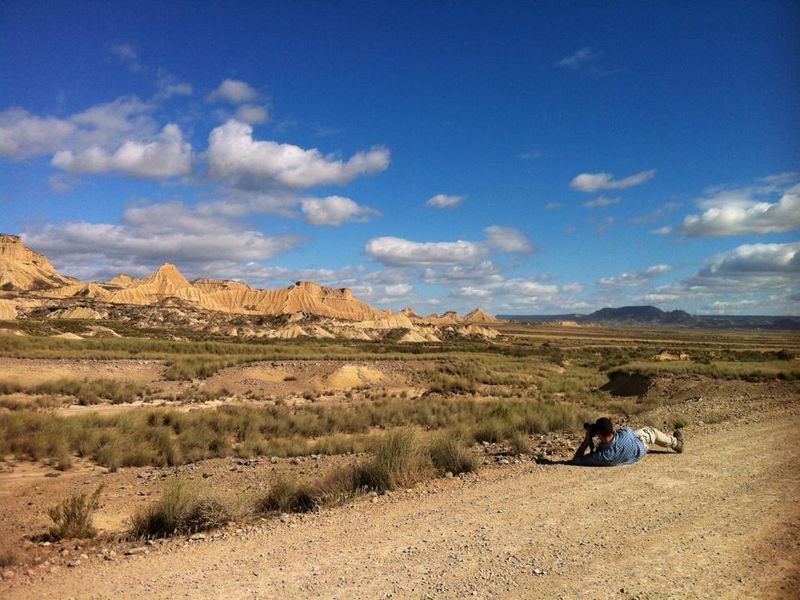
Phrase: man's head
x=605 y=429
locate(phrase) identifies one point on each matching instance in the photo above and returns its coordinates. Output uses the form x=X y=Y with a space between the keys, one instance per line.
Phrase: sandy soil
x=720 y=521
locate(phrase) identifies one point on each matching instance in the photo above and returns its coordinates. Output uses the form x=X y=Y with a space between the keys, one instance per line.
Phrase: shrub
x=491 y=431
x=448 y=452
x=73 y=517
x=520 y=443
x=397 y=462
x=8 y=557
x=288 y=495
x=182 y=508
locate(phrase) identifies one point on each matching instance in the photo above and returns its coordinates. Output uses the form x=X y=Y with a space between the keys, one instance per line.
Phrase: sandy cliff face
x=24 y=269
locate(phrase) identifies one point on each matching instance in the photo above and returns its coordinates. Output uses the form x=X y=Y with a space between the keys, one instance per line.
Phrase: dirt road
x=720 y=521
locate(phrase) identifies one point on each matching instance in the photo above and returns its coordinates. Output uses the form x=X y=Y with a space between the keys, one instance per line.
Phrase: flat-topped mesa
x=24 y=269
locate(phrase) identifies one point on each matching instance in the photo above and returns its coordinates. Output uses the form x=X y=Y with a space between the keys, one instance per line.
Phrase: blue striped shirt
x=623 y=449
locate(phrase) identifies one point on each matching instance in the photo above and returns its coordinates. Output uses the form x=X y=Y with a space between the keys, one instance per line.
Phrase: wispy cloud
x=593 y=182
x=601 y=201
x=444 y=201
x=578 y=59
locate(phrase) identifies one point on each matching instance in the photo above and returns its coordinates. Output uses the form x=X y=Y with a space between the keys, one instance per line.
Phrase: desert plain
x=169 y=438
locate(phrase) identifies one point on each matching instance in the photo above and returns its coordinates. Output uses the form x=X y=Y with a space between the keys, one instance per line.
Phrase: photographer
x=623 y=446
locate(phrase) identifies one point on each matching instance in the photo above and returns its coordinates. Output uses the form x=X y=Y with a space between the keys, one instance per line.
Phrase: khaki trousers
x=651 y=436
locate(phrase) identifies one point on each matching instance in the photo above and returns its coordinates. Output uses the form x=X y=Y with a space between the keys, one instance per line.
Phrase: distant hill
x=640 y=314
x=654 y=316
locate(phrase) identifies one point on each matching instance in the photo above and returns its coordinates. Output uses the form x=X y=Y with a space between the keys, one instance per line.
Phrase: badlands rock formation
x=23 y=269
x=33 y=289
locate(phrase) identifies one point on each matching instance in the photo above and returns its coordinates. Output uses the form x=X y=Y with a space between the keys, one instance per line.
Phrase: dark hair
x=604 y=426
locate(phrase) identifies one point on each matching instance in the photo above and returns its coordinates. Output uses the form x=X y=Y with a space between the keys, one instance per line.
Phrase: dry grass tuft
x=73 y=516
x=183 y=508
x=449 y=453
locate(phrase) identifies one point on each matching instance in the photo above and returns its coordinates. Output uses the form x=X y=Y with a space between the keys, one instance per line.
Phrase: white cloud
x=128 y=55
x=168 y=86
x=444 y=201
x=636 y=278
x=593 y=182
x=601 y=201
x=736 y=213
x=755 y=258
x=578 y=58
x=234 y=91
x=234 y=154
x=763 y=273
x=334 y=210
x=23 y=134
x=553 y=205
x=106 y=126
x=401 y=252
x=572 y=288
x=507 y=239
x=398 y=289
x=666 y=230
x=473 y=292
x=252 y=114
x=166 y=156
x=148 y=235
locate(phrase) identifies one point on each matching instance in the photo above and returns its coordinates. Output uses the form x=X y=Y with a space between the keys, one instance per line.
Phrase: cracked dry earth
x=720 y=521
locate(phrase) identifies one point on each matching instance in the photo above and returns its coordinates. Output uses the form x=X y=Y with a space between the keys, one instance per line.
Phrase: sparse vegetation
x=450 y=453
x=73 y=516
x=289 y=495
x=184 y=507
x=86 y=391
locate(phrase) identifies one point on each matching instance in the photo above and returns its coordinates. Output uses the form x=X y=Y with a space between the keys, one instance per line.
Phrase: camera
x=591 y=429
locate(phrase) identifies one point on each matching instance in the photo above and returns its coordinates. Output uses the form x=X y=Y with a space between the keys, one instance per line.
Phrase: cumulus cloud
x=234 y=154
x=398 y=289
x=166 y=156
x=23 y=134
x=507 y=239
x=738 y=212
x=601 y=201
x=252 y=114
x=444 y=201
x=106 y=126
x=578 y=59
x=401 y=252
x=593 y=182
x=334 y=210
x=233 y=91
x=635 y=278
x=764 y=273
x=148 y=235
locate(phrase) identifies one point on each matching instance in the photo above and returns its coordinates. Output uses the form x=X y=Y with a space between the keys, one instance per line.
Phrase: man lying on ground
x=623 y=446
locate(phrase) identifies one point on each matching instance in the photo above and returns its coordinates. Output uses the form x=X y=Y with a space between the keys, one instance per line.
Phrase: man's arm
x=582 y=448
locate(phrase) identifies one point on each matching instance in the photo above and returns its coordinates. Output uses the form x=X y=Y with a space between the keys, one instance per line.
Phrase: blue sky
x=545 y=157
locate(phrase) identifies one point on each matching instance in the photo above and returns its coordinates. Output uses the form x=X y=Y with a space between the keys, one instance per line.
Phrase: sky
x=526 y=157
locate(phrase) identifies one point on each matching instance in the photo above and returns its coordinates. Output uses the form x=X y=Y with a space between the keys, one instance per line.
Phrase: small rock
x=8 y=574
x=73 y=563
x=137 y=550
x=197 y=537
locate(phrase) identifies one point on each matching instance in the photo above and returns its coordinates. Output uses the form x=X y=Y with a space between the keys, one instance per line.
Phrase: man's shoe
x=678 y=435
